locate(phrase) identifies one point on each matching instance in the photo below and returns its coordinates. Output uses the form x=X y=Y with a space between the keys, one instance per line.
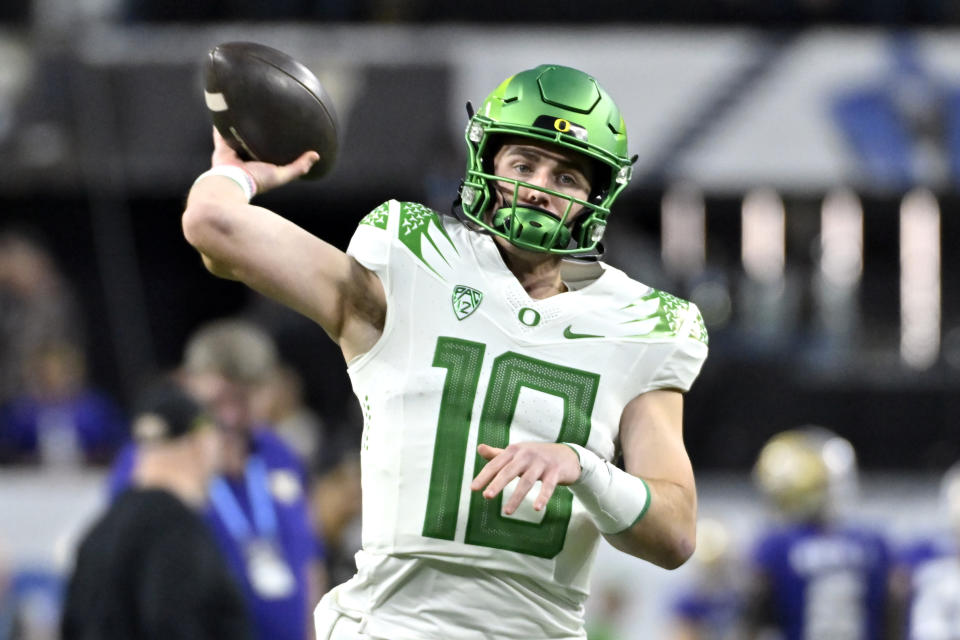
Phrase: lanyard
x=227 y=506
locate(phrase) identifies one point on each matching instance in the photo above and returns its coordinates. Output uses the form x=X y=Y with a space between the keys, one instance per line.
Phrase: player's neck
x=538 y=273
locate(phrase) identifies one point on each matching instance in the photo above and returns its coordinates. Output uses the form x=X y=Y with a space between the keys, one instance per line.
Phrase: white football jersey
x=467 y=357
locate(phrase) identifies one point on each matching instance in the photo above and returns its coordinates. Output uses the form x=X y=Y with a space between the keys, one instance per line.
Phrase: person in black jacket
x=149 y=568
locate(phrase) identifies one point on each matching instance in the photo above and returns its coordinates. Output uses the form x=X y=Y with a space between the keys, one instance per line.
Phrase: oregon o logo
x=529 y=317
x=561 y=125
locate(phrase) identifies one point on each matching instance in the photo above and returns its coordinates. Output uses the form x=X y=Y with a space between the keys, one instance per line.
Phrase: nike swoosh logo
x=570 y=335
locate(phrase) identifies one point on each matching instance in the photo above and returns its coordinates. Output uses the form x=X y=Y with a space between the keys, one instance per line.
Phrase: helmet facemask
x=563 y=107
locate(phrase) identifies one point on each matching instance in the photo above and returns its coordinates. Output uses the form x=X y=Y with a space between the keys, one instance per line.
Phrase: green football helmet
x=565 y=107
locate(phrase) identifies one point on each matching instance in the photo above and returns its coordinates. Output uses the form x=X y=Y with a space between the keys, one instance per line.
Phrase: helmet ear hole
x=601 y=183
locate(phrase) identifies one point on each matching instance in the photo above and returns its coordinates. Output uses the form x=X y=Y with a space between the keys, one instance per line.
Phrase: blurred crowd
x=283 y=489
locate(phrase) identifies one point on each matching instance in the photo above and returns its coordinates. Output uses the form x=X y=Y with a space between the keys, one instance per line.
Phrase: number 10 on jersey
x=510 y=373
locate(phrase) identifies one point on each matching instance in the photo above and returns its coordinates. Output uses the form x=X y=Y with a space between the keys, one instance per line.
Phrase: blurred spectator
x=712 y=607
x=37 y=307
x=318 y=363
x=58 y=420
x=258 y=507
x=336 y=509
x=815 y=576
x=927 y=580
x=281 y=405
x=149 y=568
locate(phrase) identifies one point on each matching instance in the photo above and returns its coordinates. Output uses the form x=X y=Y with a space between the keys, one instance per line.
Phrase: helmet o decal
x=529 y=317
x=561 y=125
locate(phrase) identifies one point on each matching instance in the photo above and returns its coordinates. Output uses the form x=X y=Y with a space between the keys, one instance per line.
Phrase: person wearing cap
x=258 y=508
x=149 y=566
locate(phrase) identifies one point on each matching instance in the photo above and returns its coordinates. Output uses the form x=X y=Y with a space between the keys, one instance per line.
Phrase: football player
x=927 y=579
x=814 y=575
x=498 y=379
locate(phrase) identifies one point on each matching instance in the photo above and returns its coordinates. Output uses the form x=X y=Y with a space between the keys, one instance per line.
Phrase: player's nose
x=531 y=195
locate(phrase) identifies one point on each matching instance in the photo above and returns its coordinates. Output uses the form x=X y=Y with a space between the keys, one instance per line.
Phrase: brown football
x=268 y=106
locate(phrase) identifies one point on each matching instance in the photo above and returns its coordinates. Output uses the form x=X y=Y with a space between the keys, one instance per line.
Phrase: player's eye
x=571 y=180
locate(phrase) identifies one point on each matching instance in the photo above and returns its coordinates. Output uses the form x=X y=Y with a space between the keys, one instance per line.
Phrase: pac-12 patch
x=465 y=300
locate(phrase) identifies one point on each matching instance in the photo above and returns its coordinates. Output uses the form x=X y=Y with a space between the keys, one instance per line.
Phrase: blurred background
x=797 y=164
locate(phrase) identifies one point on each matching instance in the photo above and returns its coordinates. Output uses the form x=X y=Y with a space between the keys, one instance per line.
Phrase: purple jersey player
x=814 y=577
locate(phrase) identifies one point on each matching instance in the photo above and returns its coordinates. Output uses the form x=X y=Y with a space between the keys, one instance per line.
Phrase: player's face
x=544 y=165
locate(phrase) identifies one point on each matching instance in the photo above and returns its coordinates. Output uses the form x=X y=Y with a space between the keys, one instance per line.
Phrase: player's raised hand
x=548 y=462
x=267 y=176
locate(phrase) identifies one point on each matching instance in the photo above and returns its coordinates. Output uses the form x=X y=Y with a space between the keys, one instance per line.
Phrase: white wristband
x=243 y=179
x=615 y=499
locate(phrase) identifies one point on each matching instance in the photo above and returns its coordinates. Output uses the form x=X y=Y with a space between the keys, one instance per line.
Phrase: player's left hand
x=548 y=462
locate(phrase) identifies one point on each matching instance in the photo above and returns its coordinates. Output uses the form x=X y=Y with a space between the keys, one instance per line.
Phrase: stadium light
x=683 y=230
x=763 y=236
x=919 y=279
x=841 y=239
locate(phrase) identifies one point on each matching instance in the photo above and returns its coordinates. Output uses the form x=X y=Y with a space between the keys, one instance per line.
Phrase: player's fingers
x=220 y=145
x=548 y=484
x=306 y=161
x=506 y=475
x=526 y=482
x=490 y=469
x=222 y=153
x=487 y=452
x=297 y=168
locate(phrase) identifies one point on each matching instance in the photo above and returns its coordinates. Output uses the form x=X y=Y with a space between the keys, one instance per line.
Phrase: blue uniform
x=825 y=583
x=933 y=607
x=257 y=520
